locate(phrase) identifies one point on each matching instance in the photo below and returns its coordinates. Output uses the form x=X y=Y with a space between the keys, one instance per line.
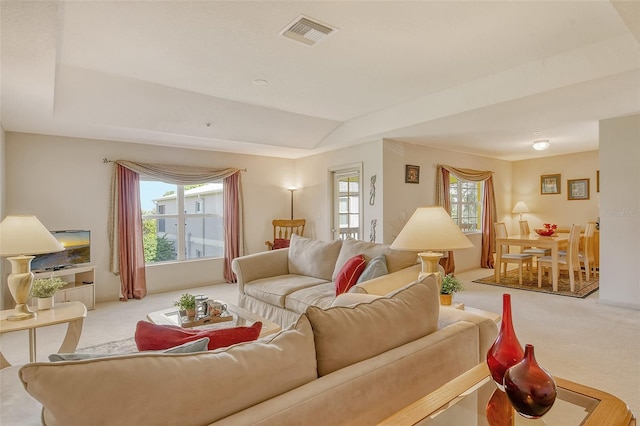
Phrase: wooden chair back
x=524 y=227
x=284 y=228
x=501 y=232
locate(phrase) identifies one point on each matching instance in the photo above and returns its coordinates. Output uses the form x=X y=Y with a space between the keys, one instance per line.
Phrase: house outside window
x=466 y=203
x=199 y=208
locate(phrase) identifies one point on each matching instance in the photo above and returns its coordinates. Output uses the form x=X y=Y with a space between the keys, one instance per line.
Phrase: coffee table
x=463 y=401
x=241 y=317
x=72 y=313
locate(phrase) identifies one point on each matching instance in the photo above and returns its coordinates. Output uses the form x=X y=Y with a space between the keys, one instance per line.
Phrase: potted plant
x=450 y=285
x=187 y=303
x=44 y=289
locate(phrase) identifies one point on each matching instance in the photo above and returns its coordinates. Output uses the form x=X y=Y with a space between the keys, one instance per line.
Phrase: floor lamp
x=21 y=237
x=428 y=229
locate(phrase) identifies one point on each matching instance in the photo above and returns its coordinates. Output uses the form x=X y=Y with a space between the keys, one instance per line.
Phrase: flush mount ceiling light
x=541 y=145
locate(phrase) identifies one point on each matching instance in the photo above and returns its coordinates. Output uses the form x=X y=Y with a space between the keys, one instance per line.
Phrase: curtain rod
x=105 y=160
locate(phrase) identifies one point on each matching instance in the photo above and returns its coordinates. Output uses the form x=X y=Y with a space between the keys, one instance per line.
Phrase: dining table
x=555 y=243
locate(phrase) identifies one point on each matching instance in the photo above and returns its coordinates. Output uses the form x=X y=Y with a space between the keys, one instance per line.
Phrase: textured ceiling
x=477 y=77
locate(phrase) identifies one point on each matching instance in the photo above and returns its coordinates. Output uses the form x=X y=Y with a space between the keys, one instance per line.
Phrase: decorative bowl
x=545 y=232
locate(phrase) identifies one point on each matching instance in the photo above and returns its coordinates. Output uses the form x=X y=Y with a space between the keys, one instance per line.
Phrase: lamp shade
x=431 y=228
x=25 y=235
x=520 y=207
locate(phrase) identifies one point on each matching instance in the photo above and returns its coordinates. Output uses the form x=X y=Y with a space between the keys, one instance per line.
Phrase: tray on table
x=186 y=323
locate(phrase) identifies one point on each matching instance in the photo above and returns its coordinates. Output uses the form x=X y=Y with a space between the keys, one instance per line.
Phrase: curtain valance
x=179 y=175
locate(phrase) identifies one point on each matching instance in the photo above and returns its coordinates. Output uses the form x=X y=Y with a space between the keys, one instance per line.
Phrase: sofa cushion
x=347 y=335
x=321 y=295
x=200 y=345
x=202 y=387
x=350 y=299
x=376 y=267
x=155 y=337
x=275 y=290
x=349 y=274
x=313 y=258
x=396 y=259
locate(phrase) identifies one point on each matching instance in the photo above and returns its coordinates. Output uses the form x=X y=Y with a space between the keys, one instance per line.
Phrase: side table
x=72 y=313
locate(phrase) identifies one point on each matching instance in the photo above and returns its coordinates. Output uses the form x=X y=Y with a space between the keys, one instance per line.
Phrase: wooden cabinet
x=81 y=285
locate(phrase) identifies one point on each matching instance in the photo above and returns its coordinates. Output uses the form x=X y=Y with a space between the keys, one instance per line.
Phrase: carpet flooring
x=511 y=281
x=123 y=346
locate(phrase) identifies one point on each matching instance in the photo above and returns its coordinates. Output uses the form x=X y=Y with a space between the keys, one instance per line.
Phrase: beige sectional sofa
x=348 y=364
x=282 y=284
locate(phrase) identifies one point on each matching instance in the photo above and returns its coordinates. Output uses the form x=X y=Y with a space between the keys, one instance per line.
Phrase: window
x=199 y=208
x=466 y=203
x=347 y=203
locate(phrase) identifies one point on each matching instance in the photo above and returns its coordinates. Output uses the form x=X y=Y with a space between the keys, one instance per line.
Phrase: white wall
x=620 y=211
x=6 y=302
x=556 y=208
x=64 y=182
x=401 y=199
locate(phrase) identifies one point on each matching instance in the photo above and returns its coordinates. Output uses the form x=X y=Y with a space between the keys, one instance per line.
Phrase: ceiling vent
x=307 y=31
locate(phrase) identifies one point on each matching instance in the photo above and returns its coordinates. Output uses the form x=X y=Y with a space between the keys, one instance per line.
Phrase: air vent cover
x=307 y=31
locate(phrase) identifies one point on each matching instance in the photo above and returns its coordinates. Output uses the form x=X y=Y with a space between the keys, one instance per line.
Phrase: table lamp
x=520 y=207
x=21 y=237
x=431 y=228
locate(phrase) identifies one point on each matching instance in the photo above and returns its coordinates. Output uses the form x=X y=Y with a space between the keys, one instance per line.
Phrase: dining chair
x=535 y=251
x=282 y=231
x=569 y=261
x=519 y=258
x=586 y=251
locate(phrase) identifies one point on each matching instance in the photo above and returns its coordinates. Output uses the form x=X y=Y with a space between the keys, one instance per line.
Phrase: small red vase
x=530 y=388
x=506 y=351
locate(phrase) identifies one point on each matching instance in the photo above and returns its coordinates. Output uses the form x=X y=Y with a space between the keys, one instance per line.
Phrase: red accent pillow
x=279 y=243
x=350 y=273
x=154 y=337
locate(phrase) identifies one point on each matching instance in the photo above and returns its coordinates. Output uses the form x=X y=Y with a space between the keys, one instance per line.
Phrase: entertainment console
x=81 y=285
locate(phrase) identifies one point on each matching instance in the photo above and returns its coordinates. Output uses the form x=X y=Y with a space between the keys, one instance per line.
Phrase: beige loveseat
x=282 y=284
x=344 y=365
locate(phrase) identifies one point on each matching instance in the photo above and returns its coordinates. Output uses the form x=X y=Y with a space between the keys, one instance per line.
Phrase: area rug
x=116 y=347
x=511 y=281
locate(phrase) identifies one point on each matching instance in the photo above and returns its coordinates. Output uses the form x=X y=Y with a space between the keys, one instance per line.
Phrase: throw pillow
x=349 y=274
x=347 y=335
x=279 y=243
x=155 y=337
x=350 y=299
x=376 y=267
x=351 y=247
x=199 y=345
x=313 y=258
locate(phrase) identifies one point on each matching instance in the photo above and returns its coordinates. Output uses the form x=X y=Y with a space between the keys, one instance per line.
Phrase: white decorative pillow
x=200 y=345
x=352 y=247
x=346 y=335
x=376 y=267
x=313 y=258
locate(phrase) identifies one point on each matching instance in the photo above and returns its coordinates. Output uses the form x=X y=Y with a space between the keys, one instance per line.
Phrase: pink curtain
x=448 y=263
x=133 y=280
x=232 y=222
x=488 y=219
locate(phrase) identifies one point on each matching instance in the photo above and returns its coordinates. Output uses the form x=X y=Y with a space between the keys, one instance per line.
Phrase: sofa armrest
x=260 y=265
x=487 y=327
x=385 y=284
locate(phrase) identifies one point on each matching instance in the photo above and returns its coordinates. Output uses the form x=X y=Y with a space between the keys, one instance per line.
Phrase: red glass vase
x=499 y=410
x=506 y=351
x=530 y=388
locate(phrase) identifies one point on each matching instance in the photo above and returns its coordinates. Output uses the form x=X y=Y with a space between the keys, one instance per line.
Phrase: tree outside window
x=466 y=203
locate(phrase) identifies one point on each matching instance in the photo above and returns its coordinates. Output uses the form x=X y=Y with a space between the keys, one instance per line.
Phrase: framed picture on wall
x=412 y=174
x=549 y=184
x=578 y=189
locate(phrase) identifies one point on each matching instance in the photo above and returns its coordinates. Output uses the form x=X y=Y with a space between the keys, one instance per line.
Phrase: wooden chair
x=282 y=231
x=519 y=258
x=535 y=251
x=586 y=251
x=569 y=261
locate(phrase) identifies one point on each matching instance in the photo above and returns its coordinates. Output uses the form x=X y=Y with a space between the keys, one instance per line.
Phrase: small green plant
x=451 y=285
x=47 y=287
x=187 y=301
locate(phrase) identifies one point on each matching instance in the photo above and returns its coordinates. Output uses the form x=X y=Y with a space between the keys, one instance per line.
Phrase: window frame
x=458 y=205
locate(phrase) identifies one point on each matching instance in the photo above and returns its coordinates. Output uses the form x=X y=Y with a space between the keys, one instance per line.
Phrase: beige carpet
x=564 y=289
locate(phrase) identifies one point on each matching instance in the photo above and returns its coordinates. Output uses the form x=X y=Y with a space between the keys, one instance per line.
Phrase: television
x=77 y=251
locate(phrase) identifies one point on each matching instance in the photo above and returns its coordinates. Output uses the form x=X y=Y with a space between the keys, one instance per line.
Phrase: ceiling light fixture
x=541 y=145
